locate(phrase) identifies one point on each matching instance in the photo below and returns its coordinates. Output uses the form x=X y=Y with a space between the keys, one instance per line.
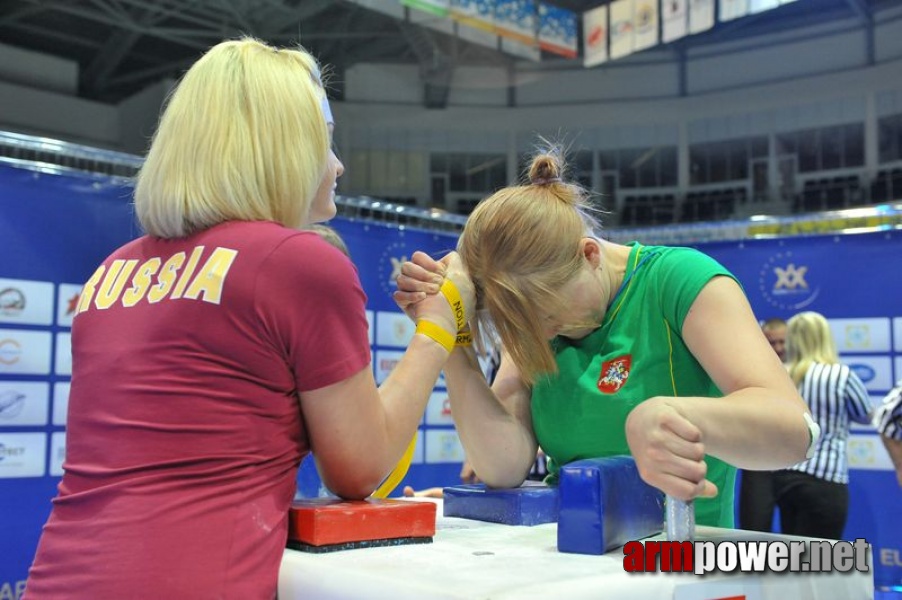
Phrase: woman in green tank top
x=609 y=349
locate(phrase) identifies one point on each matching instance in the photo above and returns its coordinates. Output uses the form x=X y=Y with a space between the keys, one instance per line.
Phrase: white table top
x=477 y=560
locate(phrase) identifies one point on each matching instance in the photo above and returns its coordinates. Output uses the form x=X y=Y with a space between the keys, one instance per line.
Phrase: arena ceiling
x=122 y=46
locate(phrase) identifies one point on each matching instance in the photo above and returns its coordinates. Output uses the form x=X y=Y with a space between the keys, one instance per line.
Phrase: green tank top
x=636 y=354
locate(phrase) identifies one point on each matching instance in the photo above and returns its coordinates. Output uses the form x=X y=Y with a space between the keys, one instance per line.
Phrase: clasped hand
x=669 y=450
x=419 y=283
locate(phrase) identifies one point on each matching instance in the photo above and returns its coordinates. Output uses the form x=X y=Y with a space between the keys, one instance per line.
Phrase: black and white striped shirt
x=835 y=395
x=888 y=418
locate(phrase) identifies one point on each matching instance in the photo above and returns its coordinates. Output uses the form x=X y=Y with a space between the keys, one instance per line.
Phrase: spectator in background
x=888 y=421
x=775 y=332
x=813 y=496
x=756 y=490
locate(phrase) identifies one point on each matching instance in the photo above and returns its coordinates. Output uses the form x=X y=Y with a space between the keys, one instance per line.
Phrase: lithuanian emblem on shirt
x=614 y=374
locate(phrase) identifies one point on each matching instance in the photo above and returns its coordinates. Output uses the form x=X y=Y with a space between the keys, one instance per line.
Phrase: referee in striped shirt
x=813 y=495
x=888 y=421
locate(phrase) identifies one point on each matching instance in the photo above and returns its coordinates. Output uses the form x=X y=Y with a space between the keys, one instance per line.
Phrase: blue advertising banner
x=56 y=229
x=856 y=282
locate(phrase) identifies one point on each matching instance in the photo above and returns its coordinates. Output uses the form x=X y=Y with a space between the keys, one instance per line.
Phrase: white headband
x=327 y=112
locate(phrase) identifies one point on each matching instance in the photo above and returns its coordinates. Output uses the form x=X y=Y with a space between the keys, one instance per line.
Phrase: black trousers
x=757 y=501
x=811 y=506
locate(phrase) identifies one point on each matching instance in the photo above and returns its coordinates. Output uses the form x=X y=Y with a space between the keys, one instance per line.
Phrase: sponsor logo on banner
x=557 y=30
x=866 y=451
x=22 y=455
x=438 y=411
x=443 y=446
x=673 y=13
x=595 y=38
x=26 y=302
x=784 y=282
x=861 y=335
x=23 y=403
x=701 y=15
x=645 y=15
x=10 y=351
x=874 y=371
x=12 y=302
x=67 y=303
x=24 y=352
x=57 y=453
x=891 y=557
x=11 y=404
x=386 y=361
x=390 y=265
x=621 y=28
x=865 y=373
x=393 y=329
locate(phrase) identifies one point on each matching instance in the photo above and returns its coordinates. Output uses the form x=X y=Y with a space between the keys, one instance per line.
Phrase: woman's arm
x=357 y=431
x=759 y=422
x=858 y=402
x=494 y=424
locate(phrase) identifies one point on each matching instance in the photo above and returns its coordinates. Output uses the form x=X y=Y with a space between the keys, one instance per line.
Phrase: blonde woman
x=610 y=349
x=213 y=353
x=813 y=496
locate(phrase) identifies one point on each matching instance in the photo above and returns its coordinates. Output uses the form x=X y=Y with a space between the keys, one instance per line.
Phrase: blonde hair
x=808 y=340
x=242 y=137
x=520 y=245
x=331 y=236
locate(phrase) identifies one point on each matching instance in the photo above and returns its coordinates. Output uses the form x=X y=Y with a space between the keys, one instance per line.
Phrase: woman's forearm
x=751 y=429
x=499 y=444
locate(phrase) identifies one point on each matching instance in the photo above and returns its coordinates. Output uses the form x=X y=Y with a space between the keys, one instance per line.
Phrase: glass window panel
x=698 y=164
x=717 y=162
x=886 y=138
x=457 y=172
x=738 y=152
x=627 y=159
x=582 y=161
x=787 y=143
x=854 y=145
x=808 y=151
x=667 y=166
x=758 y=146
x=831 y=147
x=647 y=168
x=608 y=160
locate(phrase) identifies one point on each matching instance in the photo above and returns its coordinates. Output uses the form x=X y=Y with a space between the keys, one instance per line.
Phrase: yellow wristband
x=449 y=290
x=434 y=332
x=464 y=338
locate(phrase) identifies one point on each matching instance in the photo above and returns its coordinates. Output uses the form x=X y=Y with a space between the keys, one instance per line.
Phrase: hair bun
x=546 y=169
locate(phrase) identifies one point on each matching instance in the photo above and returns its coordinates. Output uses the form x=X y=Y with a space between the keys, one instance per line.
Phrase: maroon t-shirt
x=184 y=432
